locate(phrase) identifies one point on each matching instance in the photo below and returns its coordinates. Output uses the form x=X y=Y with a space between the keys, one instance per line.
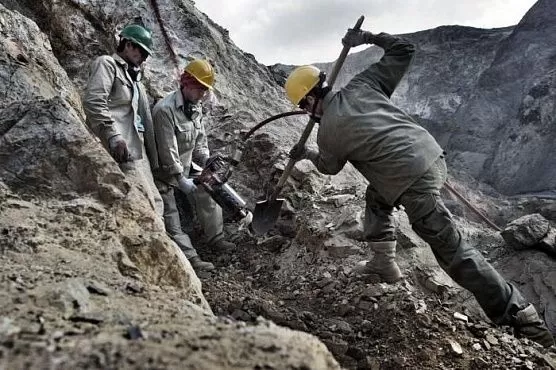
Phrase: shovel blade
x=266 y=214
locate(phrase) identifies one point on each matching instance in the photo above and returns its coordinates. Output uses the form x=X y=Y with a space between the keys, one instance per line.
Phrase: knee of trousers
x=467 y=262
x=439 y=231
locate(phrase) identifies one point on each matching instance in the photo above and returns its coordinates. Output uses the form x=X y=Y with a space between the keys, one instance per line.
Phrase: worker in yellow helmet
x=404 y=166
x=181 y=141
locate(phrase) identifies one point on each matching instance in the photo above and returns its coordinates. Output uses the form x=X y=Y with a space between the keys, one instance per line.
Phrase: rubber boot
x=199 y=265
x=528 y=324
x=383 y=264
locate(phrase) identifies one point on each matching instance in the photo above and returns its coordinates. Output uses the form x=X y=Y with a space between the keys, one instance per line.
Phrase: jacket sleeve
x=95 y=99
x=166 y=142
x=201 y=151
x=327 y=163
x=390 y=69
x=146 y=118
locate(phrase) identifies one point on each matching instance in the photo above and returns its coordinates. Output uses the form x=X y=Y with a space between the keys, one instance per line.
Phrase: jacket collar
x=327 y=99
x=182 y=103
x=179 y=99
x=120 y=60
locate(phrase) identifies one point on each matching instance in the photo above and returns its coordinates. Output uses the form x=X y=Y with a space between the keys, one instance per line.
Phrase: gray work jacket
x=361 y=125
x=180 y=137
x=107 y=102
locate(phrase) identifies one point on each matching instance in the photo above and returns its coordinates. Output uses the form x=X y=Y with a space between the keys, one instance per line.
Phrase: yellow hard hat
x=202 y=71
x=300 y=82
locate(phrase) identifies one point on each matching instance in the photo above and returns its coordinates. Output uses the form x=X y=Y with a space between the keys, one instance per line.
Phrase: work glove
x=298 y=152
x=118 y=149
x=245 y=221
x=187 y=186
x=301 y=152
x=355 y=38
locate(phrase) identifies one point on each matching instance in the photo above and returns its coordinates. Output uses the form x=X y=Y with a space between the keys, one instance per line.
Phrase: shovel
x=267 y=211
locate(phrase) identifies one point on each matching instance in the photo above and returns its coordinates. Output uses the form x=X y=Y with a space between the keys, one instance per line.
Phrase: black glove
x=355 y=38
x=298 y=152
x=118 y=149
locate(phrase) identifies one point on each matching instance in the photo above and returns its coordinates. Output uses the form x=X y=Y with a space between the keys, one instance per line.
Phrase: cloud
x=296 y=32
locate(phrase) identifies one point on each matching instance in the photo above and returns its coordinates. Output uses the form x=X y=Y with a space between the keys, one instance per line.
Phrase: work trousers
x=432 y=221
x=209 y=215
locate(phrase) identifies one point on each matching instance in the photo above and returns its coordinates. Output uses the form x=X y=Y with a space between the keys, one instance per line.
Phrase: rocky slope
x=88 y=278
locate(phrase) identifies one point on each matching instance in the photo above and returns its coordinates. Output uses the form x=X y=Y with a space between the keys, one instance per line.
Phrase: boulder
x=526 y=232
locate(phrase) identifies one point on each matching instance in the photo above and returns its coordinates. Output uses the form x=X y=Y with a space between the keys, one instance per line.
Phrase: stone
x=342 y=326
x=549 y=360
x=134 y=332
x=69 y=297
x=356 y=353
x=517 y=360
x=96 y=287
x=91 y=168
x=455 y=347
x=461 y=317
x=374 y=291
x=91 y=317
x=241 y=315
x=491 y=339
x=548 y=243
x=526 y=231
x=337 y=346
x=340 y=199
x=7 y=328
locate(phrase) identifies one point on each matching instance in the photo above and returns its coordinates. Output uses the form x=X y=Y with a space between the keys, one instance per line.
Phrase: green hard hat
x=139 y=35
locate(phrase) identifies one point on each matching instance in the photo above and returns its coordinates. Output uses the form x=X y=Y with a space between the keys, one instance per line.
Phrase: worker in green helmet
x=405 y=166
x=118 y=110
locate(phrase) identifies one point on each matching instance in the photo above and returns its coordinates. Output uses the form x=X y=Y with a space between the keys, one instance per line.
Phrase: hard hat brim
x=203 y=83
x=134 y=40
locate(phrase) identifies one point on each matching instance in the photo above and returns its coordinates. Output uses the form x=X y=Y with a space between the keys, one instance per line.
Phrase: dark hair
x=186 y=79
x=121 y=45
x=319 y=91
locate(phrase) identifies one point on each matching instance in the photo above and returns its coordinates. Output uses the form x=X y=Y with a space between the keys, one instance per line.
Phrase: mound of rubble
x=299 y=276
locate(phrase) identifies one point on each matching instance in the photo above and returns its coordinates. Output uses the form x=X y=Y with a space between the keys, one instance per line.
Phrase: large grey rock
x=526 y=232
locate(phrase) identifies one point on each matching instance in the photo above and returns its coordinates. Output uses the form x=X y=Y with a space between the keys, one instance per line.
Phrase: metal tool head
x=266 y=214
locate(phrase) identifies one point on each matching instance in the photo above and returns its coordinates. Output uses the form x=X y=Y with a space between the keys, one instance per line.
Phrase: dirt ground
x=293 y=279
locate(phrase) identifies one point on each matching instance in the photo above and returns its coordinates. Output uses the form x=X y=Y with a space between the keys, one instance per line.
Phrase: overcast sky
x=306 y=31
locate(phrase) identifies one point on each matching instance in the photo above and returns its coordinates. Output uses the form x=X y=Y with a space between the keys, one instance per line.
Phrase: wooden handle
x=472 y=207
x=307 y=132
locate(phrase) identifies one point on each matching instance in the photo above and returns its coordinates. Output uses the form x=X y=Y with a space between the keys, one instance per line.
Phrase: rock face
x=513 y=106
x=86 y=266
x=47 y=153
